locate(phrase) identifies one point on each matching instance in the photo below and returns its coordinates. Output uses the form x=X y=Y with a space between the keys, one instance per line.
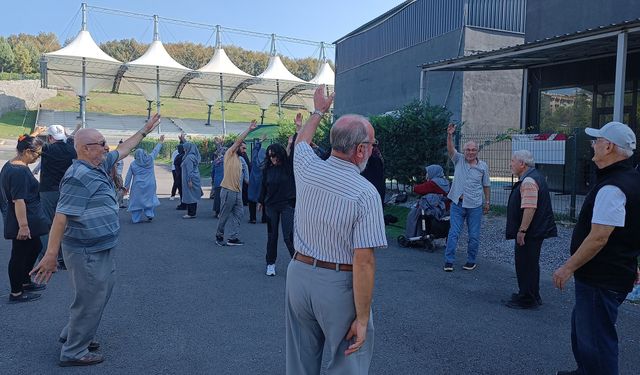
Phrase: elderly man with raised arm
x=86 y=223
x=604 y=249
x=338 y=224
x=470 y=181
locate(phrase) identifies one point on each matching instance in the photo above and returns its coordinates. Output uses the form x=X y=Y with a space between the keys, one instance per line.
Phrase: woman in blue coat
x=258 y=156
x=141 y=184
x=191 y=185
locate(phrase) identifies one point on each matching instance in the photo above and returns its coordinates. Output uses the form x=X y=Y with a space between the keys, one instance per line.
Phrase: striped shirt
x=468 y=181
x=337 y=210
x=529 y=193
x=87 y=198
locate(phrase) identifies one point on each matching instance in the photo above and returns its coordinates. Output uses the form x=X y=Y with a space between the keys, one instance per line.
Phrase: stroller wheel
x=428 y=244
x=402 y=241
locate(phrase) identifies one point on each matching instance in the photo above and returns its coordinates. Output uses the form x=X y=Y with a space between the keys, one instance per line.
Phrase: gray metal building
x=377 y=65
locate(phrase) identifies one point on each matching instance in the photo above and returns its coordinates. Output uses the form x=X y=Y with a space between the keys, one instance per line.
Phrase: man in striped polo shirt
x=86 y=223
x=338 y=223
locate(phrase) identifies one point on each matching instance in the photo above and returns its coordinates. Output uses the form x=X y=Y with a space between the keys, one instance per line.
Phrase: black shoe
x=574 y=372
x=181 y=207
x=24 y=297
x=33 y=287
x=93 y=345
x=469 y=266
x=518 y=296
x=234 y=242
x=448 y=267
x=88 y=360
x=219 y=240
x=522 y=304
x=253 y=221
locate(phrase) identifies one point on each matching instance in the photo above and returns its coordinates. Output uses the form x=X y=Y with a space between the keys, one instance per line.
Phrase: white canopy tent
x=216 y=81
x=154 y=74
x=302 y=95
x=81 y=66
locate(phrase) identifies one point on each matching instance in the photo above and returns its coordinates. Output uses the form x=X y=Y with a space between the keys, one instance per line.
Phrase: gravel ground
x=494 y=247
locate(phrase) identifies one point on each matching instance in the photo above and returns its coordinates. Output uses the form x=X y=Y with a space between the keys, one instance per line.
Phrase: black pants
x=177 y=184
x=191 y=208
x=274 y=213
x=216 y=200
x=23 y=257
x=252 y=213
x=527 y=259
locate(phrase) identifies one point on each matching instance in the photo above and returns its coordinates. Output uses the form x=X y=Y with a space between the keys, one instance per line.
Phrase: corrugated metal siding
x=507 y=15
x=424 y=20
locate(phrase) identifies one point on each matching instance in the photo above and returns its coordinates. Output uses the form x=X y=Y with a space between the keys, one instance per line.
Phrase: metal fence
x=564 y=160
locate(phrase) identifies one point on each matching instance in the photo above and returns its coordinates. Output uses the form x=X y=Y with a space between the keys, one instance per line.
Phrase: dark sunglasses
x=101 y=143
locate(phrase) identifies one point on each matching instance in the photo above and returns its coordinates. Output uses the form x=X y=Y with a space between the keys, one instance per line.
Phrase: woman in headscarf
x=191 y=186
x=278 y=196
x=177 y=162
x=141 y=184
x=23 y=217
x=433 y=201
x=217 y=174
x=258 y=156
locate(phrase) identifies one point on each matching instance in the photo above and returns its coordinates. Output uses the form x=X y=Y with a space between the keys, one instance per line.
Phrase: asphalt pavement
x=183 y=305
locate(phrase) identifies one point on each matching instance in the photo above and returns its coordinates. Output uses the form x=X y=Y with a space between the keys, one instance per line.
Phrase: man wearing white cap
x=57 y=156
x=604 y=250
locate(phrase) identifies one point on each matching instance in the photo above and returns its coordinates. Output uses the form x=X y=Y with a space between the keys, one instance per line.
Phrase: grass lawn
x=126 y=104
x=394 y=230
x=11 y=123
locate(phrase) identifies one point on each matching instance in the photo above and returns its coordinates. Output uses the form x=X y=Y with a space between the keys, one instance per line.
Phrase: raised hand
x=152 y=123
x=298 y=121
x=451 y=129
x=322 y=102
x=162 y=138
x=253 y=125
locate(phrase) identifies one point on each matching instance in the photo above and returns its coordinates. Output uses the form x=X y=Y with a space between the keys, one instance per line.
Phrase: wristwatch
x=317 y=112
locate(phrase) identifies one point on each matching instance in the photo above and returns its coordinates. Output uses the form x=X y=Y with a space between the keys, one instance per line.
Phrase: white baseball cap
x=617 y=133
x=57 y=132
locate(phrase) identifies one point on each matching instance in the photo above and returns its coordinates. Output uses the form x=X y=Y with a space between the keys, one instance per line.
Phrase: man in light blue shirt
x=470 y=181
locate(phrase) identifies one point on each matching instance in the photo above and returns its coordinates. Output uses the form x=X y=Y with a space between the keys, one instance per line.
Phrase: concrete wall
x=547 y=18
x=16 y=95
x=491 y=100
x=392 y=81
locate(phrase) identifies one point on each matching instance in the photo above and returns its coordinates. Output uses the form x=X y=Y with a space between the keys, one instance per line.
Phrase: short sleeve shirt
x=529 y=193
x=337 y=210
x=609 y=207
x=468 y=181
x=56 y=159
x=87 y=198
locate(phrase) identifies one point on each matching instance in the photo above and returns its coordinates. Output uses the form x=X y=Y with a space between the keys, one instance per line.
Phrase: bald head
x=89 y=146
x=349 y=131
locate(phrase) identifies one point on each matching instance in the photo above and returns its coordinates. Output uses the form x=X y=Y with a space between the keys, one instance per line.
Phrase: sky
x=325 y=20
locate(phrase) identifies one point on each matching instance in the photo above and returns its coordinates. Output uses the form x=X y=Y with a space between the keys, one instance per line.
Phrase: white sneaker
x=271 y=269
x=172 y=198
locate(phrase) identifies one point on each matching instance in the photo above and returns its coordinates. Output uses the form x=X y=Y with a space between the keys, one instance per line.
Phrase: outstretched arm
x=49 y=263
x=321 y=104
x=451 y=149
x=125 y=147
x=241 y=137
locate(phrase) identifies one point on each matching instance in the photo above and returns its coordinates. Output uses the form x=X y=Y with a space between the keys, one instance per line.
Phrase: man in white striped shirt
x=338 y=223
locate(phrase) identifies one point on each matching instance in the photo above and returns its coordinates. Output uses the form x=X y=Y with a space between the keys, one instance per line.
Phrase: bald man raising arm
x=86 y=223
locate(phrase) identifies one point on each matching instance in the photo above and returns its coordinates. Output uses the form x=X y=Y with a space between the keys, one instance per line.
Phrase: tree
x=22 y=61
x=7 y=56
x=411 y=139
x=124 y=50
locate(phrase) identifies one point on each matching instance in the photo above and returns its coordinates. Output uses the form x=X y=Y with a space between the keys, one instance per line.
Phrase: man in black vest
x=604 y=249
x=529 y=221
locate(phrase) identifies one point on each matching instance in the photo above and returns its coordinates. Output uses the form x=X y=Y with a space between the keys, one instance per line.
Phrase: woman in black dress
x=278 y=196
x=24 y=220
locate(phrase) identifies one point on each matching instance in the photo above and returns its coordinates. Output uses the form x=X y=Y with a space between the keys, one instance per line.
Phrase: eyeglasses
x=594 y=141
x=101 y=143
x=36 y=152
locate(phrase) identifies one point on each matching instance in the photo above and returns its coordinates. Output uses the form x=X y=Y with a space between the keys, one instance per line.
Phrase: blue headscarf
x=435 y=173
x=143 y=159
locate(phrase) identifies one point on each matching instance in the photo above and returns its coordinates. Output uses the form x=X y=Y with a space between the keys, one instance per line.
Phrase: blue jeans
x=594 y=339
x=473 y=217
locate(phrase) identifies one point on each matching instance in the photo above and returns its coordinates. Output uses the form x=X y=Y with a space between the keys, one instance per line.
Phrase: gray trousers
x=232 y=209
x=92 y=278
x=319 y=310
x=49 y=201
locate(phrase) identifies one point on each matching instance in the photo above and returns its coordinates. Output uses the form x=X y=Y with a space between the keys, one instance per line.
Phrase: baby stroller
x=426 y=221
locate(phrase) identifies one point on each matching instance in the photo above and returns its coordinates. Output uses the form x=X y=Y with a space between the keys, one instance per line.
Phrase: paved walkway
x=183 y=305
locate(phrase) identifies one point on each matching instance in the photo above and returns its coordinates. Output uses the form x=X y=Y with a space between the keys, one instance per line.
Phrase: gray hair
x=347 y=132
x=624 y=152
x=524 y=156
